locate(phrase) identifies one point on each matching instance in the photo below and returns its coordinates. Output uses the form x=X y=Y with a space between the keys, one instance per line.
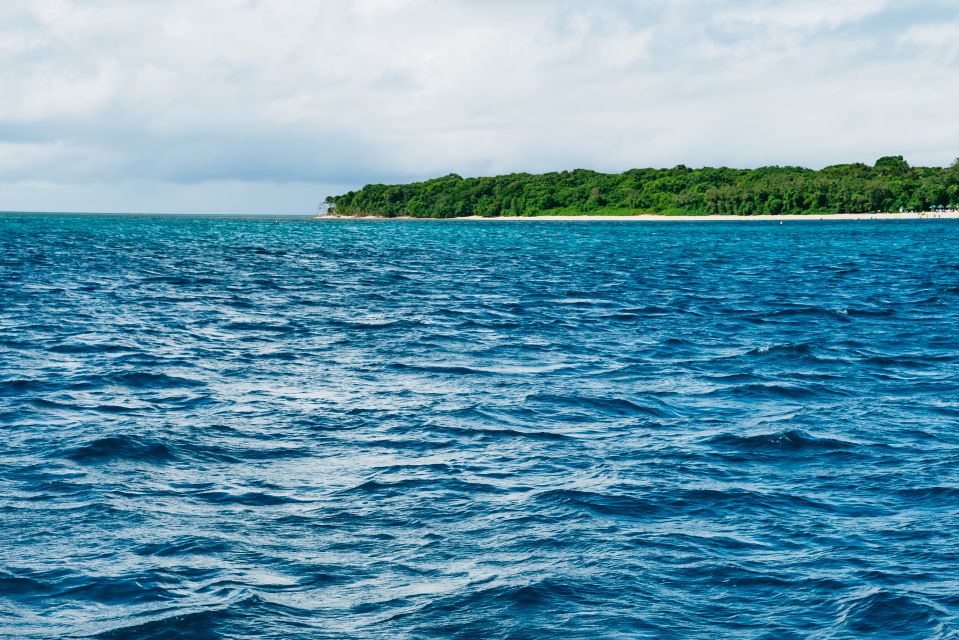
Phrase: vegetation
x=889 y=185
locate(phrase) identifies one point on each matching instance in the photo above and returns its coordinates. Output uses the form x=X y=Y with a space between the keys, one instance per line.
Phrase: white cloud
x=183 y=97
x=803 y=14
x=940 y=41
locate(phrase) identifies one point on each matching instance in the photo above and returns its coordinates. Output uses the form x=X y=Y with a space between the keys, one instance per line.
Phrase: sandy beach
x=911 y=215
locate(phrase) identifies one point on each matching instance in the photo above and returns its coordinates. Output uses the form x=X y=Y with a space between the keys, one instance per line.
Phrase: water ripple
x=226 y=428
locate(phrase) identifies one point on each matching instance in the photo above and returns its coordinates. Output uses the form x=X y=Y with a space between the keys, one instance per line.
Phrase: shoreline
x=652 y=217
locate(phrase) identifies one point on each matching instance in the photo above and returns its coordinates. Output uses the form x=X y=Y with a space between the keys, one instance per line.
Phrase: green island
x=888 y=185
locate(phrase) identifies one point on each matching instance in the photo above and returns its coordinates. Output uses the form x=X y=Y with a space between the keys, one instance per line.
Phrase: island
x=889 y=185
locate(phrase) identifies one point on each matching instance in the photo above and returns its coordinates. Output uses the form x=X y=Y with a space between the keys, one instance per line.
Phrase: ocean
x=292 y=428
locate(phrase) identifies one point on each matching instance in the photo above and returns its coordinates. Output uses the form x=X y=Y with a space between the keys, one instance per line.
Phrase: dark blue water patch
x=646 y=407
x=760 y=391
x=201 y=625
x=13 y=585
x=890 y=615
x=788 y=440
x=121 y=447
x=185 y=546
x=229 y=428
x=930 y=496
x=227 y=614
x=496 y=433
x=152 y=380
x=244 y=498
x=20 y=387
x=605 y=504
x=798 y=314
x=408 y=486
x=94 y=348
x=788 y=350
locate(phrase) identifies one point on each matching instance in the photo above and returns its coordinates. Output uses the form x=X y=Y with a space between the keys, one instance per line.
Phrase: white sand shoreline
x=911 y=215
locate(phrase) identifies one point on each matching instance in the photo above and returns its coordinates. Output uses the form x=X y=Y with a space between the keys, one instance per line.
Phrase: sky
x=247 y=106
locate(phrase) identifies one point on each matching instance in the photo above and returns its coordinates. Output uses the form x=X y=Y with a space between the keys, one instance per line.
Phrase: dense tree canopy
x=889 y=185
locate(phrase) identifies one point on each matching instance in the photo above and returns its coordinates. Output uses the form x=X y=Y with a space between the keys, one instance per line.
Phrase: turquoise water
x=246 y=428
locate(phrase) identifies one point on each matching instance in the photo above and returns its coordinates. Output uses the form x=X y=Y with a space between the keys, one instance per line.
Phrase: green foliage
x=892 y=165
x=889 y=185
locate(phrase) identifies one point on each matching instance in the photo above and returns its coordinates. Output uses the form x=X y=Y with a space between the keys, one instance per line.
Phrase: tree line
x=889 y=185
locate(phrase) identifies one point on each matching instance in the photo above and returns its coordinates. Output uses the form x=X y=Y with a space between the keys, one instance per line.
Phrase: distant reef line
x=889 y=185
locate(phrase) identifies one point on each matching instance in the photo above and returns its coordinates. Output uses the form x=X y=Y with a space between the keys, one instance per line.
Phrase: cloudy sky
x=250 y=106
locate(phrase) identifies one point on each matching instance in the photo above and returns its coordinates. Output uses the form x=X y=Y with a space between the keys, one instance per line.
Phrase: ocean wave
x=121 y=447
x=800 y=313
x=244 y=498
x=889 y=613
x=150 y=380
x=782 y=391
x=173 y=624
x=500 y=432
x=600 y=503
x=20 y=387
x=12 y=585
x=788 y=350
x=401 y=487
x=786 y=440
x=183 y=546
x=648 y=407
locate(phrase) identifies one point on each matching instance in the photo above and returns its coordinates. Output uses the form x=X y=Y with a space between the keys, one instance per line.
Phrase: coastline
x=651 y=217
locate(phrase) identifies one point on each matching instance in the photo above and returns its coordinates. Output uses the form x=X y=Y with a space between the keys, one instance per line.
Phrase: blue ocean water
x=248 y=428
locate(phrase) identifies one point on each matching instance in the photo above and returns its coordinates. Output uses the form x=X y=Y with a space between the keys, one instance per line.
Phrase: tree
x=892 y=165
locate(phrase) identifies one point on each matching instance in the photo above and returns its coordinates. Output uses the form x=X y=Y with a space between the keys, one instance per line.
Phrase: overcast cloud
x=247 y=106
